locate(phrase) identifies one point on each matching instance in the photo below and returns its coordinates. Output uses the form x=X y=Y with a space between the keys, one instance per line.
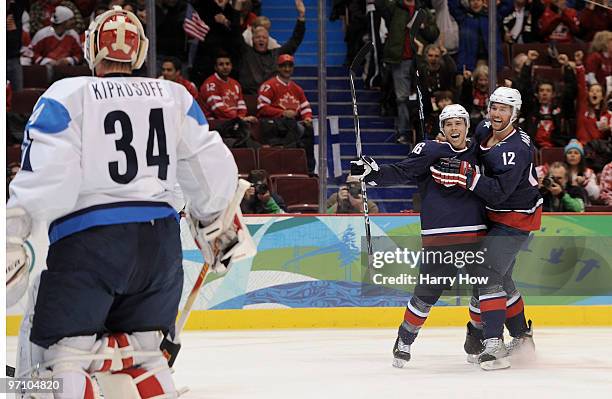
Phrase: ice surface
x=356 y=363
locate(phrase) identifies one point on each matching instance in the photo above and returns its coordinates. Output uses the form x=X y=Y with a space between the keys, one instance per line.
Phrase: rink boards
x=309 y=272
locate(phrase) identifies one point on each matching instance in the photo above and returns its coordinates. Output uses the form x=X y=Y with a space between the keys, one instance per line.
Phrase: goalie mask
x=116 y=35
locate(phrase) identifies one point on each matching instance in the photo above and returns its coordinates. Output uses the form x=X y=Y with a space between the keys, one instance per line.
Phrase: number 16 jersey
x=100 y=151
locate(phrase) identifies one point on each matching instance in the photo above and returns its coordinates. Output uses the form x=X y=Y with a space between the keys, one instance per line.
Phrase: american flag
x=193 y=26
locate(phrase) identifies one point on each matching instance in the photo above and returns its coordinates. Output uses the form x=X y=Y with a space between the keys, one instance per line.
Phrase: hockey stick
x=415 y=24
x=171 y=348
x=599 y=5
x=356 y=62
x=180 y=324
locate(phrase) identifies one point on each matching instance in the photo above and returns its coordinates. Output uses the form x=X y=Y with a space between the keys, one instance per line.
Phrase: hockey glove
x=452 y=171
x=18 y=226
x=227 y=238
x=365 y=169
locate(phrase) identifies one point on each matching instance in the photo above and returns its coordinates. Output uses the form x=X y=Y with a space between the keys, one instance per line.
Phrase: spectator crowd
x=557 y=53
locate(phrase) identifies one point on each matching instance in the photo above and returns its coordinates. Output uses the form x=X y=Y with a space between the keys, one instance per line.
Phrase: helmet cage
x=112 y=36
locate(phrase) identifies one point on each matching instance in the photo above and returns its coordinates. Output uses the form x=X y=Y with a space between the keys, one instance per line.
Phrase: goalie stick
x=169 y=347
x=356 y=62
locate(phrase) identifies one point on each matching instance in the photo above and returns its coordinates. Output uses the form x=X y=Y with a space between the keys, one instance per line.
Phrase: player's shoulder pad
x=430 y=148
x=196 y=113
x=519 y=143
x=66 y=89
x=524 y=137
x=483 y=128
x=57 y=106
x=424 y=145
x=186 y=101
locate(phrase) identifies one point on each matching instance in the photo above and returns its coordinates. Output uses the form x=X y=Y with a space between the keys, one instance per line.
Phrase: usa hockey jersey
x=222 y=99
x=508 y=182
x=276 y=96
x=448 y=214
x=102 y=151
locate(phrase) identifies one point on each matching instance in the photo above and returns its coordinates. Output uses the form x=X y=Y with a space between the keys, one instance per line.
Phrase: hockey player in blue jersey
x=507 y=182
x=451 y=218
x=101 y=158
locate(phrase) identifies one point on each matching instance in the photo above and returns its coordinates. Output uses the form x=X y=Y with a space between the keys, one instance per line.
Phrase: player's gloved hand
x=18 y=226
x=226 y=238
x=451 y=171
x=216 y=245
x=366 y=169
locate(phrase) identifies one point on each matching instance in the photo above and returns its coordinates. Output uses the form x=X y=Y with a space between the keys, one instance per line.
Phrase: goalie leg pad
x=18 y=227
x=137 y=369
x=132 y=383
x=68 y=360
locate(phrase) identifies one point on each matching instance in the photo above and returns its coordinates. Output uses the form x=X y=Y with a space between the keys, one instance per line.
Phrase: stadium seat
x=69 y=71
x=251 y=103
x=24 y=100
x=506 y=73
x=301 y=194
x=541 y=48
x=543 y=72
x=570 y=48
x=256 y=131
x=506 y=53
x=274 y=178
x=598 y=208
x=283 y=160
x=35 y=76
x=245 y=159
x=13 y=154
x=550 y=155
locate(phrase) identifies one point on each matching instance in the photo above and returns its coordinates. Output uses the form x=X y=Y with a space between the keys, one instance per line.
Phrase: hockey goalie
x=101 y=158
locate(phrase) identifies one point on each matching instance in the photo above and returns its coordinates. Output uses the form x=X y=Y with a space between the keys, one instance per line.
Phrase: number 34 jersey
x=100 y=151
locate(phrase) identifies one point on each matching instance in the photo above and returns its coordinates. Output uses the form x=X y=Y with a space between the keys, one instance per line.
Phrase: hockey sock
x=414 y=317
x=493 y=313
x=475 y=318
x=515 y=315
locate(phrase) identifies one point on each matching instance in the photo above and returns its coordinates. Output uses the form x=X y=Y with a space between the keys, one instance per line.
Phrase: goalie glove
x=18 y=226
x=226 y=239
x=451 y=171
x=365 y=169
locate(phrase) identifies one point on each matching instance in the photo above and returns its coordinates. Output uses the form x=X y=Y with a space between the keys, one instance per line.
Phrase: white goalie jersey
x=110 y=150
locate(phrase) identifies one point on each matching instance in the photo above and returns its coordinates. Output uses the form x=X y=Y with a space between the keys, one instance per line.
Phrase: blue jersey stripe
x=196 y=113
x=117 y=214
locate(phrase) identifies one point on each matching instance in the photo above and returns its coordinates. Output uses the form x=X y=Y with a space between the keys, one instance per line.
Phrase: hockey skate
x=522 y=347
x=401 y=353
x=473 y=343
x=494 y=356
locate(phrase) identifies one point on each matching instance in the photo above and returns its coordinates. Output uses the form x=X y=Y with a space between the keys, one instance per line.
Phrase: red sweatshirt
x=276 y=96
x=222 y=99
x=599 y=65
x=587 y=120
x=48 y=46
x=557 y=25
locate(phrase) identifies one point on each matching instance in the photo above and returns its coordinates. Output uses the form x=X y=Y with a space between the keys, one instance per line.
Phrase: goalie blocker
x=226 y=239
